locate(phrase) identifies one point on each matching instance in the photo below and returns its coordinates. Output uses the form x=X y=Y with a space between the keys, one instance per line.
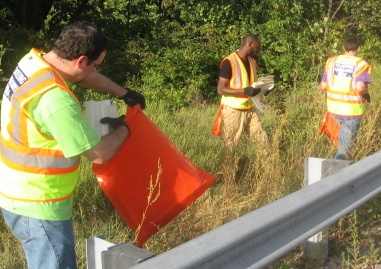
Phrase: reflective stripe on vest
x=35 y=161
x=240 y=79
x=18 y=153
x=35 y=173
x=342 y=97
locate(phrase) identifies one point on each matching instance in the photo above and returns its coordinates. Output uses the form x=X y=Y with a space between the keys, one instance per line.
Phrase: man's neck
x=242 y=55
x=351 y=53
x=58 y=64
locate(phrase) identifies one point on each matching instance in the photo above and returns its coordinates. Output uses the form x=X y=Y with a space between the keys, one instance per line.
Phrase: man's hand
x=366 y=97
x=250 y=91
x=115 y=122
x=132 y=98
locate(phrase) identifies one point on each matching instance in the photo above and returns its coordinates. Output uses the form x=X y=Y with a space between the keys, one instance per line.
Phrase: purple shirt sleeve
x=364 y=77
x=324 y=78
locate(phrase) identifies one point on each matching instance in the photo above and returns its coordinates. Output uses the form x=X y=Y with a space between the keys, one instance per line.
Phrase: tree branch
x=338 y=8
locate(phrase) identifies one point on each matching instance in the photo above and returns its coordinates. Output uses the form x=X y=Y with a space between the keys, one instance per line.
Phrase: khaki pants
x=236 y=122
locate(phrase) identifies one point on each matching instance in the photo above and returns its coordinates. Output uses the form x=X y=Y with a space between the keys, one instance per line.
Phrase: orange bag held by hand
x=330 y=128
x=216 y=130
x=149 y=181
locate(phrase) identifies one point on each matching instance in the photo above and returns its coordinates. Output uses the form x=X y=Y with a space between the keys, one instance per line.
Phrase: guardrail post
x=316 y=169
x=101 y=254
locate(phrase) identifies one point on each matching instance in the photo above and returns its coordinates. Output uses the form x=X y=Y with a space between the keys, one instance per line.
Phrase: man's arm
x=109 y=145
x=100 y=83
x=323 y=86
x=362 y=87
x=323 y=83
x=224 y=89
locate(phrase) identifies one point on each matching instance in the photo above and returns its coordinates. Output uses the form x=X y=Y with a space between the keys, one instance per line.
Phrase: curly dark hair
x=78 y=39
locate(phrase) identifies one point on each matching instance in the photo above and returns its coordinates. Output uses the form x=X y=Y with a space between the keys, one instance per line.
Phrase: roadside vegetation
x=243 y=184
x=171 y=51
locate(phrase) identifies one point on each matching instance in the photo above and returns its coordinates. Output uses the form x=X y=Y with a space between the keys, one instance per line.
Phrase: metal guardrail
x=266 y=234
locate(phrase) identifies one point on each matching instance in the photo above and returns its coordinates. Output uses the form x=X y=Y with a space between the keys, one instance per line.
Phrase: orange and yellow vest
x=33 y=165
x=342 y=97
x=240 y=79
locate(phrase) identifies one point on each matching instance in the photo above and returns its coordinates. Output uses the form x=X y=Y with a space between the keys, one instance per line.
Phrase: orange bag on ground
x=216 y=130
x=330 y=128
x=129 y=179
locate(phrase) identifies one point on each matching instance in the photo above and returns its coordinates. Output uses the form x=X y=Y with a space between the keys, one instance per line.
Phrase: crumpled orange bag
x=146 y=196
x=330 y=128
x=216 y=129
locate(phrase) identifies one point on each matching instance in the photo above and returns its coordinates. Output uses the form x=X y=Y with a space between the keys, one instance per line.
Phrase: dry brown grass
x=245 y=182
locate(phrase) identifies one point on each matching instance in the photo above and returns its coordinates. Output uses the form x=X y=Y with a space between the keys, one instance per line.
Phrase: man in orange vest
x=345 y=80
x=239 y=115
x=43 y=135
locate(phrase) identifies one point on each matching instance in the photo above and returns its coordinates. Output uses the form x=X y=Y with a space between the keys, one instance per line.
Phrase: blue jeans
x=347 y=136
x=47 y=244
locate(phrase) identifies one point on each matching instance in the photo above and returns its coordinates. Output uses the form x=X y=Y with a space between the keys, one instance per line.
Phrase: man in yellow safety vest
x=345 y=80
x=239 y=115
x=43 y=135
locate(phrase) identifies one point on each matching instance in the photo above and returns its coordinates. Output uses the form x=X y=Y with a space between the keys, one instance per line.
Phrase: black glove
x=366 y=97
x=115 y=122
x=250 y=91
x=132 y=98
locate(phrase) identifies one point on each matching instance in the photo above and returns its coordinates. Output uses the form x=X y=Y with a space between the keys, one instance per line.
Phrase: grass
x=245 y=182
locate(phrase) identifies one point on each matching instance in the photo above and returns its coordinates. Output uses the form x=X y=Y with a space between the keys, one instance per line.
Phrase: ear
x=81 y=62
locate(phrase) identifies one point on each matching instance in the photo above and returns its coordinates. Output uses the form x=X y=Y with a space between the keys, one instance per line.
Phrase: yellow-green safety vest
x=342 y=97
x=33 y=165
x=240 y=79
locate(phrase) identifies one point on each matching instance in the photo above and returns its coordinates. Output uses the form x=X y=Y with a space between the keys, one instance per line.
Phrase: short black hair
x=250 y=38
x=80 y=38
x=352 y=43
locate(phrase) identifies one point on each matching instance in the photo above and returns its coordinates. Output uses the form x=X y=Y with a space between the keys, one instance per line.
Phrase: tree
x=26 y=13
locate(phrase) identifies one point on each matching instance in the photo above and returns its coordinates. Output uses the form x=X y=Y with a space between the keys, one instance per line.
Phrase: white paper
x=95 y=110
x=257 y=101
x=266 y=84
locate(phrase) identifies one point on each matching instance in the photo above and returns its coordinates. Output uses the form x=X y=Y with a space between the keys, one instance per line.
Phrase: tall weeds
x=246 y=181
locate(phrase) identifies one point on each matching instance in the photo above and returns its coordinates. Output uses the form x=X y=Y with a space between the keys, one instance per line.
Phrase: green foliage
x=3 y=79
x=28 y=14
x=171 y=51
x=161 y=47
x=187 y=67
x=84 y=94
x=241 y=187
x=15 y=49
x=353 y=256
x=3 y=49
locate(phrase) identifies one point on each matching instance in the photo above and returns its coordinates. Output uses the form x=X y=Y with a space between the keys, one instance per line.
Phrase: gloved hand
x=250 y=91
x=132 y=98
x=366 y=97
x=115 y=122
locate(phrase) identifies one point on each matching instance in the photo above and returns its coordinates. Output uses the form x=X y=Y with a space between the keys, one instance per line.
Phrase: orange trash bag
x=330 y=128
x=149 y=181
x=216 y=130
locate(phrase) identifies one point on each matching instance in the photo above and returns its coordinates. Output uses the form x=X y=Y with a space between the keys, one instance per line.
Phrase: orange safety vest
x=34 y=165
x=342 y=97
x=240 y=79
